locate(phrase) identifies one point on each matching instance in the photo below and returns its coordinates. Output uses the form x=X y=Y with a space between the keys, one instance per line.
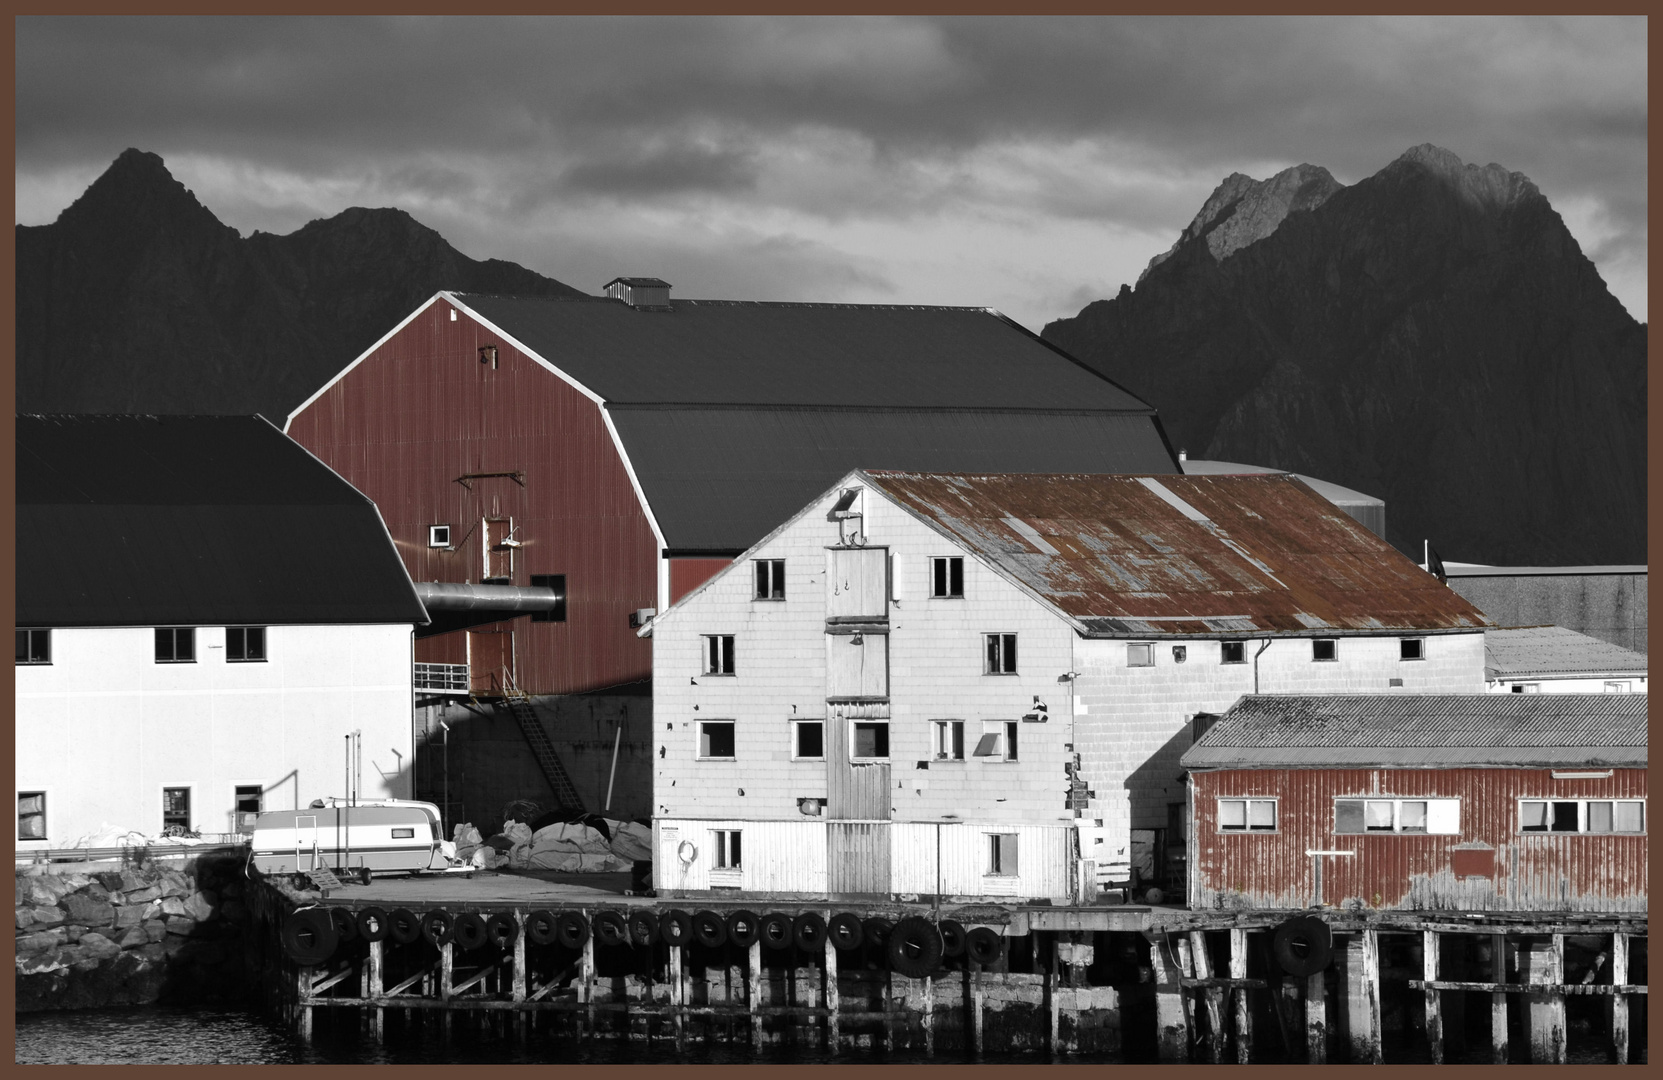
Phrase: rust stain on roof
x=1185 y=555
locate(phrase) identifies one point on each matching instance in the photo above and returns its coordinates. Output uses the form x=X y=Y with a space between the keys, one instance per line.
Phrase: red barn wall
x=688 y=574
x=1532 y=871
x=423 y=410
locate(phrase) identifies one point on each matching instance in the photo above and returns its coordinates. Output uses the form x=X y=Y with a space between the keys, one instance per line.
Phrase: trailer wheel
x=1303 y=945
x=710 y=929
x=572 y=929
x=309 y=936
x=643 y=927
x=346 y=927
x=776 y=930
x=915 y=947
x=984 y=945
x=609 y=928
x=363 y=875
x=372 y=924
x=952 y=937
x=468 y=931
x=501 y=930
x=541 y=927
x=403 y=926
x=742 y=928
x=438 y=926
x=845 y=931
x=675 y=927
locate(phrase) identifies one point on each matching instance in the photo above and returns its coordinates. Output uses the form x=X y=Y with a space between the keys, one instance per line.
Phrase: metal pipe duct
x=453 y=596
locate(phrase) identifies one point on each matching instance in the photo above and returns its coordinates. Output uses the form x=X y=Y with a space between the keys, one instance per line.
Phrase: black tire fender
x=710 y=929
x=952 y=937
x=571 y=929
x=403 y=926
x=877 y=930
x=309 y=936
x=643 y=927
x=541 y=928
x=743 y=927
x=1303 y=945
x=468 y=931
x=675 y=927
x=346 y=927
x=372 y=923
x=984 y=945
x=777 y=931
x=438 y=926
x=845 y=931
x=501 y=930
x=915 y=947
x=609 y=928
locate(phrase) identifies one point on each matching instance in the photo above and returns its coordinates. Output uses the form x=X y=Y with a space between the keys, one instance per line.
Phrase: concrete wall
x=1611 y=607
x=103 y=728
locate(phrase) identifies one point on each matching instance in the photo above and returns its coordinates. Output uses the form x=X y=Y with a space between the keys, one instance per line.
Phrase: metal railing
x=125 y=853
x=442 y=679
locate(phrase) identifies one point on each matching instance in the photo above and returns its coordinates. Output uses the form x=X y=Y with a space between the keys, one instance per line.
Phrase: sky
x=1029 y=164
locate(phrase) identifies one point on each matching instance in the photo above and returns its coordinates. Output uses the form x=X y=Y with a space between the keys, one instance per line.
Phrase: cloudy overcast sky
x=1029 y=164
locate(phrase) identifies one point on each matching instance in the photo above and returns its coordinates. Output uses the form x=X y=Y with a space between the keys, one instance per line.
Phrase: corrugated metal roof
x=1185 y=555
x=1334 y=493
x=1428 y=730
x=194 y=520
x=1535 y=651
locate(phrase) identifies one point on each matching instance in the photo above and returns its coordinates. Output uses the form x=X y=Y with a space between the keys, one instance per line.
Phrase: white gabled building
x=979 y=686
x=1557 y=660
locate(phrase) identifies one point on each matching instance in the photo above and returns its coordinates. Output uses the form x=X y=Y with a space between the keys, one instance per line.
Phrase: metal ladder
x=519 y=706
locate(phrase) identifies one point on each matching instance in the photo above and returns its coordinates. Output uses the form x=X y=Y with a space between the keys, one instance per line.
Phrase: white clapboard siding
x=1043 y=860
x=777 y=856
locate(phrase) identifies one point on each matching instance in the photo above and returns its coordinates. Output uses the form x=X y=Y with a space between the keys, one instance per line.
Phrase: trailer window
x=404 y=834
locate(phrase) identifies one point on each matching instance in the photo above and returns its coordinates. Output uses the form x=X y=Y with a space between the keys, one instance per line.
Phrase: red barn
x=1498 y=802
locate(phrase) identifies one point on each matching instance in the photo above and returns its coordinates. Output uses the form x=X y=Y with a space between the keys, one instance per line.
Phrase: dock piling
x=1238 y=970
x=1213 y=996
x=1544 y=963
x=1498 y=1000
x=1434 y=1002
x=1619 y=1003
x=828 y=980
x=753 y=991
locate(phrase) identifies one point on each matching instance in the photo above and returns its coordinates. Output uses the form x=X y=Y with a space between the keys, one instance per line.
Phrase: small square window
x=718 y=654
x=808 y=739
x=1411 y=648
x=770 y=579
x=1324 y=649
x=716 y=739
x=438 y=536
x=31 y=815
x=557 y=582
x=947 y=578
x=1001 y=854
x=1233 y=652
x=34 y=646
x=245 y=644
x=1618 y=687
x=1629 y=817
x=1001 y=654
x=404 y=834
x=871 y=740
x=1140 y=654
x=948 y=740
x=1411 y=815
x=728 y=855
x=175 y=645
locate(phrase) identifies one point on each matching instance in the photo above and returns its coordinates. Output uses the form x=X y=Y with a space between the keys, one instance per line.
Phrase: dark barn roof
x=194 y=520
x=1425 y=731
x=1140 y=556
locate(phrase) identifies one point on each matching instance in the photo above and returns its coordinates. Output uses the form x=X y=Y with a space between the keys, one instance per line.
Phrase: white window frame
x=1006 y=654
x=1140 y=654
x=1315 y=659
x=946 y=740
x=943 y=564
x=1247 y=828
x=438 y=536
x=1223 y=654
x=1003 y=847
x=774 y=590
x=1006 y=745
x=727 y=849
x=796 y=740
x=1397 y=802
x=704 y=741
x=888 y=748
x=1582 y=817
x=1404 y=643
x=719 y=652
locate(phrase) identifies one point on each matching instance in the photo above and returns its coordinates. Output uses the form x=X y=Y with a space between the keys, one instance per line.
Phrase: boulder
x=39 y=892
x=99 y=947
x=95 y=890
x=128 y=915
x=24 y=918
x=134 y=937
x=143 y=894
x=88 y=912
x=173 y=905
x=73 y=932
x=131 y=881
x=39 y=963
x=152 y=953
x=174 y=883
x=47 y=916
x=86 y=964
x=28 y=944
x=155 y=929
x=181 y=925
x=199 y=907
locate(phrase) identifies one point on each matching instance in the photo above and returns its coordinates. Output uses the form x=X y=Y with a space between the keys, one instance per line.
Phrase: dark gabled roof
x=194 y=520
x=1555 y=652
x=640 y=282
x=1425 y=731
x=1141 y=556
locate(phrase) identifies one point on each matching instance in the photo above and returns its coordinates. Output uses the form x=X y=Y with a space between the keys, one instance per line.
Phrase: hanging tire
x=501 y=930
x=845 y=931
x=468 y=931
x=710 y=929
x=775 y=930
x=984 y=945
x=877 y=930
x=915 y=947
x=808 y=931
x=743 y=927
x=540 y=928
x=571 y=929
x=403 y=926
x=675 y=927
x=952 y=937
x=643 y=927
x=309 y=936
x=1303 y=945
x=438 y=926
x=609 y=928
x=346 y=927
x=372 y=923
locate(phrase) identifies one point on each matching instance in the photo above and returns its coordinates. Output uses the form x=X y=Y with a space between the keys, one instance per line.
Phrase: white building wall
x=1043 y=860
x=1599 y=684
x=778 y=856
x=104 y=728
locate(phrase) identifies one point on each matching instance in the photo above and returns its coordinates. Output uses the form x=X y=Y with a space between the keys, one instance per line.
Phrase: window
x=175 y=645
x=1324 y=648
x=31 y=815
x=1352 y=816
x=245 y=644
x=871 y=740
x=176 y=809
x=716 y=739
x=947 y=578
x=1001 y=654
x=1527 y=688
x=808 y=738
x=1582 y=815
x=1247 y=815
x=728 y=852
x=947 y=740
x=557 y=582
x=1617 y=687
x=718 y=654
x=1001 y=854
x=1411 y=648
x=998 y=741
x=1232 y=652
x=438 y=536
x=770 y=579
x=1140 y=654
x=404 y=834
x=250 y=800
x=34 y=646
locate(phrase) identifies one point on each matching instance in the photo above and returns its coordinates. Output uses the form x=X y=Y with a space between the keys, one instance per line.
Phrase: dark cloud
x=652 y=170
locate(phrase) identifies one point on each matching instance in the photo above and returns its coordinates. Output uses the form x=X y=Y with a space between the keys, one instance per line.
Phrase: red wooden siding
x=688 y=574
x=422 y=411
x=1531 y=871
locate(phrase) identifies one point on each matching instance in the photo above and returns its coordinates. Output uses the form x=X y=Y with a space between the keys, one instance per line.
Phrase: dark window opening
x=947 y=577
x=175 y=645
x=34 y=646
x=557 y=582
x=176 y=809
x=249 y=800
x=718 y=654
x=1324 y=649
x=1411 y=648
x=245 y=644
x=871 y=740
x=811 y=738
x=770 y=579
x=716 y=739
x=1233 y=652
x=1001 y=654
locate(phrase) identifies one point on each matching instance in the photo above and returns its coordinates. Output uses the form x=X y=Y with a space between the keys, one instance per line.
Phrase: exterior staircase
x=518 y=705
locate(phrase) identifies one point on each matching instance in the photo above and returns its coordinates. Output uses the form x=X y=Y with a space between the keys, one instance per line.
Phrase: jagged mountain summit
x=1432 y=334
x=138 y=299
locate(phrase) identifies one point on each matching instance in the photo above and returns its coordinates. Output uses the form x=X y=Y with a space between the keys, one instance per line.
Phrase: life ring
x=572 y=929
x=808 y=931
x=845 y=931
x=1303 y=945
x=609 y=928
x=742 y=928
x=372 y=923
x=468 y=931
x=915 y=947
x=309 y=936
x=952 y=937
x=675 y=927
x=643 y=927
x=710 y=929
x=346 y=927
x=540 y=927
x=984 y=945
x=403 y=926
x=775 y=930
x=438 y=926
x=877 y=930
x=687 y=852
x=501 y=930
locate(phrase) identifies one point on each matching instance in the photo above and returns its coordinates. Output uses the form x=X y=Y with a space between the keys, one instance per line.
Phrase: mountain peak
x=1243 y=211
x=1490 y=186
x=138 y=188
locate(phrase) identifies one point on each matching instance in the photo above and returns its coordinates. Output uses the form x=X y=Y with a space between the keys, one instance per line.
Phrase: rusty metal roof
x=1554 y=651
x=1425 y=731
x=1174 y=556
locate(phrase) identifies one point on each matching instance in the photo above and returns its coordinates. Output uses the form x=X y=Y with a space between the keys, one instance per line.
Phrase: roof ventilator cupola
x=641 y=293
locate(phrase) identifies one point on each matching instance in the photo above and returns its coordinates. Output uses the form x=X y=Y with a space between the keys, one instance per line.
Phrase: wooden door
x=490 y=662
x=857 y=584
x=499 y=547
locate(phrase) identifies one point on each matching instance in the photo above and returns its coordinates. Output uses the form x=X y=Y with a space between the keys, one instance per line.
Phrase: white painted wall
x=103 y=728
x=1631 y=684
